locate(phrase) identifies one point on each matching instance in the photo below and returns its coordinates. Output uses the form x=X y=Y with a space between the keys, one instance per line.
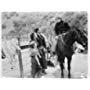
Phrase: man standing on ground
x=40 y=39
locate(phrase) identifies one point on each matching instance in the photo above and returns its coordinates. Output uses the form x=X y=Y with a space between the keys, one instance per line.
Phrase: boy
x=36 y=66
x=35 y=52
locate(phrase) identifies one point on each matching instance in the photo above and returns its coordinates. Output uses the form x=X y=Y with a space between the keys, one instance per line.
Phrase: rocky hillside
x=19 y=23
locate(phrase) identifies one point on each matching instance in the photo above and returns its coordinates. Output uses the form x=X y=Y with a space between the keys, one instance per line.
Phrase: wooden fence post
x=20 y=59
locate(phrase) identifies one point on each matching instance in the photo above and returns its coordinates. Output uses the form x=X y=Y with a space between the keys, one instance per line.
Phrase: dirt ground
x=79 y=67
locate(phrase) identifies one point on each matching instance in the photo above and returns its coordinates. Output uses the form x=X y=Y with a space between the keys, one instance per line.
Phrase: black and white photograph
x=44 y=44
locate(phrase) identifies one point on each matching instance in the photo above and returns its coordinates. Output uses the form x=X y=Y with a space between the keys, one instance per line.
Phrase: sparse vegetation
x=16 y=24
x=24 y=23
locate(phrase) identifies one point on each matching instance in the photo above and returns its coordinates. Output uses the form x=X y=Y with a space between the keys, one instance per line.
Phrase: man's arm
x=45 y=38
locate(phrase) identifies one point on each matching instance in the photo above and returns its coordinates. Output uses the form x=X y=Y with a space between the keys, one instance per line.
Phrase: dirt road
x=79 y=67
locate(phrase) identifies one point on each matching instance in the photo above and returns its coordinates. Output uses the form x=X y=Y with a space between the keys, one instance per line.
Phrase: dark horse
x=64 y=47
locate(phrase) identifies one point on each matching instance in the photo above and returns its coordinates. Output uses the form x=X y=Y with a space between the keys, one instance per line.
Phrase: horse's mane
x=81 y=32
x=75 y=29
x=70 y=36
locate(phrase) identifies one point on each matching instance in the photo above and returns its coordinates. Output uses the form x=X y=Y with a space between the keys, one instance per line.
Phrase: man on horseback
x=66 y=37
x=61 y=26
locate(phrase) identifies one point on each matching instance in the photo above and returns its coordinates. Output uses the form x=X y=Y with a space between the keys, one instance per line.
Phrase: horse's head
x=81 y=38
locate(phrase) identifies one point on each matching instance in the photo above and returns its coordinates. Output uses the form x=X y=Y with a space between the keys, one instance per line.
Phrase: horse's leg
x=61 y=61
x=69 y=66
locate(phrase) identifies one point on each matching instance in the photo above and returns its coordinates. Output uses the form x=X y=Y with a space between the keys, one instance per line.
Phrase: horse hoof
x=62 y=76
x=69 y=76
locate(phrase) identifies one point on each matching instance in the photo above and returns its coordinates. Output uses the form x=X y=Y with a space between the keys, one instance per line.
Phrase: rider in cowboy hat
x=61 y=26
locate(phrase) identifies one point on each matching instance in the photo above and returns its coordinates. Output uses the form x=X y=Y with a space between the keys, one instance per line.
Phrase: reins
x=61 y=37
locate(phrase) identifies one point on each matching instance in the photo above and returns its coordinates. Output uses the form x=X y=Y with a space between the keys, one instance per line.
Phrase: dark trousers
x=42 y=60
x=35 y=67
